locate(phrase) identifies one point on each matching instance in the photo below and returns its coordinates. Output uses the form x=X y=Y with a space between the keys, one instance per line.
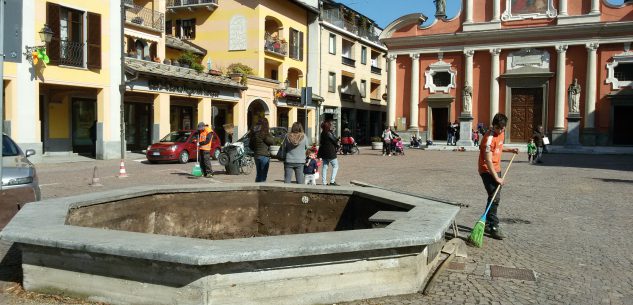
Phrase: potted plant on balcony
x=238 y=69
x=376 y=143
x=189 y=60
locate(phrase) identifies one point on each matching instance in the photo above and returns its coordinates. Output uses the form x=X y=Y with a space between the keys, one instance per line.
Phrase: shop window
x=331 y=82
x=69 y=45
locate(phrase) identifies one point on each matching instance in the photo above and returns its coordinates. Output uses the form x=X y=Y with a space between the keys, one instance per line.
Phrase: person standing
x=531 y=150
x=387 y=137
x=450 y=133
x=259 y=141
x=310 y=167
x=205 y=138
x=538 y=136
x=327 y=152
x=489 y=165
x=294 y=145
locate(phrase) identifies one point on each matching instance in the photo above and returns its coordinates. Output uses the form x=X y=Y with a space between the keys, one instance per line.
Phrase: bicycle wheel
x=247 y=164
x=355 y=151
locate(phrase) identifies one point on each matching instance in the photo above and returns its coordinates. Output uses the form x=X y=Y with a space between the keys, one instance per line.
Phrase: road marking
x=140 y=160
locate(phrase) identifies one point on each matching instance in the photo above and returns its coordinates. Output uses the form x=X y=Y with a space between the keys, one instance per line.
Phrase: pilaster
x=415 y=91
x=494 y=82
x=558 y=132
x=391 y=90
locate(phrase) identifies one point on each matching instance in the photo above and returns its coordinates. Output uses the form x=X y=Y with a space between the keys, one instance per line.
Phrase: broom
x=477 y=234
x=196 y=171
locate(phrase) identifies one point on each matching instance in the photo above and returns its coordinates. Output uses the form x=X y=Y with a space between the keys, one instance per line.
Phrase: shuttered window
x=52 y=19
x=94 y=41
x=296 y=44
x=68 y=44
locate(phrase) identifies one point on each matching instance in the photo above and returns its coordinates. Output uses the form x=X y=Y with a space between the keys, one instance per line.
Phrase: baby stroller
x=397 y=146
x=348 y=146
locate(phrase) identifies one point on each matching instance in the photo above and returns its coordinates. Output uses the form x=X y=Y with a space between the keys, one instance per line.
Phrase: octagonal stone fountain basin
x=230 y=244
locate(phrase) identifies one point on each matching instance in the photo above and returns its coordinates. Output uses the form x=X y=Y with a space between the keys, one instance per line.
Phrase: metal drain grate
x=456 y=266
x=512 y=273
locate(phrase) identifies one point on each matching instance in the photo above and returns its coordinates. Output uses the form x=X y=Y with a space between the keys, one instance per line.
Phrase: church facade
x=566 y=65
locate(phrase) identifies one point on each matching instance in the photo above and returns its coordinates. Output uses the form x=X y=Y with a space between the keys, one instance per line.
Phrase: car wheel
x=183 y=157
x=223 y=158
x=216 y=153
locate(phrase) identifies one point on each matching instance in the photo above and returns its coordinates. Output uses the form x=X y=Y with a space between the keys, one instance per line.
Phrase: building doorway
x=440 y=123
x=622 y=125
x=84 y=126
x=526 y=113
x=137 y=126
x=256 y=110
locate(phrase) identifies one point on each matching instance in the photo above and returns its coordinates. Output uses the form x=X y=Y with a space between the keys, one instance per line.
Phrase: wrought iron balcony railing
x=376 y=70
x=171 y=4
x=279 y=47
x=336 y=18
x=348 y=61
x=145 y=17
x=71 y=53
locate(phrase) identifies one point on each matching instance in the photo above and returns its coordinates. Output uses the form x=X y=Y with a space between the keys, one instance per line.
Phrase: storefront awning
x=141 y=35
x=144 y=67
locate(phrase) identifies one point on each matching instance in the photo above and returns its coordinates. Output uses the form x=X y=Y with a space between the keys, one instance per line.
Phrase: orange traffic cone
x=122 y=173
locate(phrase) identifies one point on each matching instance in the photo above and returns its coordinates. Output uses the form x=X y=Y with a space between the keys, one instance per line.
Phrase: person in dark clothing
x=538 y=136
x=327 y=152
x=260 y=140
x=204 y=135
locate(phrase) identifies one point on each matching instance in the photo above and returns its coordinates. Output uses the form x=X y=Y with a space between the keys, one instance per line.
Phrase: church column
x=496 y=11
x=415 y=91
x=562 y=10
x=595 y=7
x=469 y=11
x=494 y=83
x=590 y=95
x=559 y=107
x=391 y=84
x=468 y=54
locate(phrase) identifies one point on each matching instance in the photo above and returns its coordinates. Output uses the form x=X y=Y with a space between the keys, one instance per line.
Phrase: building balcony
x=71 y=53
x=276 y=47
x=348 y=61
x=347 y=97
x=334 y=17
x=144 y=17
x=210 y=5
x=376 y=70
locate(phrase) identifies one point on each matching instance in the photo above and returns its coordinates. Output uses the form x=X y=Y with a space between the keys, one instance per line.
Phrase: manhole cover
x=456 y=266
x=512 y=273
x=515 y=220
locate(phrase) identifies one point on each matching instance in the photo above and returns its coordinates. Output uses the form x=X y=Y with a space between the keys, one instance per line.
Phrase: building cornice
x=535 y=36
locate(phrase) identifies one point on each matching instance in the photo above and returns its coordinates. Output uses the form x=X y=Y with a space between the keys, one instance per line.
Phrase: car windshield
x=9 y=149
x=176 y=136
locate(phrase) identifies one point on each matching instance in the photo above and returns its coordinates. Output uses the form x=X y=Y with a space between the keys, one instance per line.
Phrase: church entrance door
x=526 y=113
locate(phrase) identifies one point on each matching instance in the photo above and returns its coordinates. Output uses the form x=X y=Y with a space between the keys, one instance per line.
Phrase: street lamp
x=287 y=83
x=46 y=34
x=34 y=53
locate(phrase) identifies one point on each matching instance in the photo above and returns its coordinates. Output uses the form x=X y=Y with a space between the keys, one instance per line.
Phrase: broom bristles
x=477 y=234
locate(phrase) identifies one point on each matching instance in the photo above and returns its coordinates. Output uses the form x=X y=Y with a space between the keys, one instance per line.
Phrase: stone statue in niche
x=440 y=8
x=574 y=97
x=467 y=95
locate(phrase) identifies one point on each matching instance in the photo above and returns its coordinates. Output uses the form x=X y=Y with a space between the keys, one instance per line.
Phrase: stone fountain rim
x=43 y=224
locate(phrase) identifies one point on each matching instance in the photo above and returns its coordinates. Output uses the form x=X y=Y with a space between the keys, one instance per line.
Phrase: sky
x=384 y=12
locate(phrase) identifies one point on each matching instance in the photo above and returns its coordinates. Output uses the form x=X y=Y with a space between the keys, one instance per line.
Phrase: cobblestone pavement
x=567 y=219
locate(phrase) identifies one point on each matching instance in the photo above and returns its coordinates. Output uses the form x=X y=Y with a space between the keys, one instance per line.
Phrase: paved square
x=567 y=219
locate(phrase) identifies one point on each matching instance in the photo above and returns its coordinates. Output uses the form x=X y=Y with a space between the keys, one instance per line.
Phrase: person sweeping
x=489 y=164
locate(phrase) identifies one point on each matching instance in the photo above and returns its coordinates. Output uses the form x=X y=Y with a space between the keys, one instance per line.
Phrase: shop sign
x=189 y=89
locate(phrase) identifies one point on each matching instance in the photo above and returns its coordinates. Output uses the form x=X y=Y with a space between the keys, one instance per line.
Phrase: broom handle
x=499 y=186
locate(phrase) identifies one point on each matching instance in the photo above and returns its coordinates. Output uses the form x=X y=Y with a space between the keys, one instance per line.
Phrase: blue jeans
x=261 y=165
x=334 y=163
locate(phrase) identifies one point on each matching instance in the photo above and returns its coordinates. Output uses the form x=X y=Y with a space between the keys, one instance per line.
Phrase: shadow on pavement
x=609 y=162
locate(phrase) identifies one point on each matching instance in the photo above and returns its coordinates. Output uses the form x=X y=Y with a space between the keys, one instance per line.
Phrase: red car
x=179 y=146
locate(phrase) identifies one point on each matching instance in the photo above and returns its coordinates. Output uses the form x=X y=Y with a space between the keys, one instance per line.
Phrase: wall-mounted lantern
x=36 y=53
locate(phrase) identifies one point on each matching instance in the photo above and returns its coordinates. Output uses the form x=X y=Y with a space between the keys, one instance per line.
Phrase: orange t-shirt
x=491 y=142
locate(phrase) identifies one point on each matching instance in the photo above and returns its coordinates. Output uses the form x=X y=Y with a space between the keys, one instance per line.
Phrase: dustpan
x=196 y=171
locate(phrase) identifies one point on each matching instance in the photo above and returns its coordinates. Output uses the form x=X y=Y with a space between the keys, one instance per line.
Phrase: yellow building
x=70 y=104
x=269 y=36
